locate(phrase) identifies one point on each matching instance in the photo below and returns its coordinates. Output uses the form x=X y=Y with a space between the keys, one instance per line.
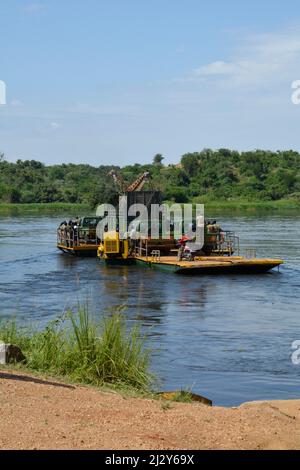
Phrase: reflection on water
x=227 y=337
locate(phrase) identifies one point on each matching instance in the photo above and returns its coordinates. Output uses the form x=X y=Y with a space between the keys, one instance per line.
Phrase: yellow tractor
x=114 y=250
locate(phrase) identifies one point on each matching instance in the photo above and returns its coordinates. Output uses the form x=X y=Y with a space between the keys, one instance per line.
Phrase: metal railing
x=250 y=253
x=221 y=243
x=225 y=242
x=155 y=255
x=140 y=250
x=71 y=238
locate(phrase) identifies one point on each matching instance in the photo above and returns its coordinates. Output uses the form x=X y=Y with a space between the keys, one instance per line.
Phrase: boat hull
x=118 y=261
x=220 y=265
x=82 y=250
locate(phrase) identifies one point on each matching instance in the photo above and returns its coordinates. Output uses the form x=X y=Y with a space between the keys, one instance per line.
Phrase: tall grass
x=240 y=205
x=52 y=208
x=233 y=205
x=75 y=346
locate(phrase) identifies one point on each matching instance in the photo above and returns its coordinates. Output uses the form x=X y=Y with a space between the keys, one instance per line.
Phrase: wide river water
x=226 y=337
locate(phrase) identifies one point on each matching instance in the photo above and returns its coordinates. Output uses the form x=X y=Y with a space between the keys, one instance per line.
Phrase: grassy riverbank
x=55 y=208
x=75 y=347
x=72 y=210
x=243 y=206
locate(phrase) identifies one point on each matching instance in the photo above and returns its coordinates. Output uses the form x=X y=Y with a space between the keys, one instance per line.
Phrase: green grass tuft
x=74 y=346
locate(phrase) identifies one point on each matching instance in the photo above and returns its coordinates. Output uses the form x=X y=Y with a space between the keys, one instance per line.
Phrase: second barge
x=209 y=264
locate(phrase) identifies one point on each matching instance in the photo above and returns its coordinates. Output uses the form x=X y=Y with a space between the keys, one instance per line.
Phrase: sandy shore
x=41 y=414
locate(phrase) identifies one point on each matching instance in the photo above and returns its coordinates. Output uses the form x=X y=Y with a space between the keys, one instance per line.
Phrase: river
x=226 y=337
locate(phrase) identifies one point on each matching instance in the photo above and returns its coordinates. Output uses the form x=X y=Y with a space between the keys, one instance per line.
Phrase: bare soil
x=43 y=414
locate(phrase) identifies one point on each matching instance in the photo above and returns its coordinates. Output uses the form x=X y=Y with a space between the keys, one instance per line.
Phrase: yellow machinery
x=113 y=249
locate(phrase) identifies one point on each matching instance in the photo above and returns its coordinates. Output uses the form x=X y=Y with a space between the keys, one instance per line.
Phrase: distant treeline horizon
x=208 y=175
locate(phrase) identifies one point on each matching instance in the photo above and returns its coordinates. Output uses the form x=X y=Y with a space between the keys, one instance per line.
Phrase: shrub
x=73 y=345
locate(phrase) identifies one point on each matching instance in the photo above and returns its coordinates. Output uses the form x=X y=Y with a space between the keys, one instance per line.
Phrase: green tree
x=158 y=159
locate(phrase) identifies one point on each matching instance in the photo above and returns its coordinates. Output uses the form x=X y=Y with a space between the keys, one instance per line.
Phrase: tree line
x=199 y=177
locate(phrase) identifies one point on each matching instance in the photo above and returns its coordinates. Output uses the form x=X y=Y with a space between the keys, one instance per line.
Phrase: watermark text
x=295 y=97
x=2 y=93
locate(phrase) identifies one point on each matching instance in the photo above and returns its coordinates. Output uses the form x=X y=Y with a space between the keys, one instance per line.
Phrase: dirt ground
x=43 y=414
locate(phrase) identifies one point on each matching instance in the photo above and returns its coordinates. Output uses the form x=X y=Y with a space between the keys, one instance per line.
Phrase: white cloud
x=111 y=110
x=257 y=59
x=45 y=128
x=218 y=68
x=16 y=103
x=34 y=7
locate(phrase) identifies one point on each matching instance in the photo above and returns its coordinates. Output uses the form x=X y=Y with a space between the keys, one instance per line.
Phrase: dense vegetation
x=200 y=177
x=74 y=346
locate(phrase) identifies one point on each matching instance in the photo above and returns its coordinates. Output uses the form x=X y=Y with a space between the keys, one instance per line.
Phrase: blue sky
x=116 y=82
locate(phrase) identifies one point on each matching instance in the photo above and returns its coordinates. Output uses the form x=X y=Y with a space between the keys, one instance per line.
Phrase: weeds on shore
x=235 y=206
x=74 y=346
x=52 y=208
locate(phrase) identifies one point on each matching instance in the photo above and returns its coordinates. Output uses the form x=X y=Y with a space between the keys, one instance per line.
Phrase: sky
x=115 y=82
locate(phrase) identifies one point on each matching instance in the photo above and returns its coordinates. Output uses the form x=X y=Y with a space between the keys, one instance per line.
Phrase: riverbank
x=76 y=347
x=72 y=210
x=241 y=206
x=39 y=413
x=54 y=208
